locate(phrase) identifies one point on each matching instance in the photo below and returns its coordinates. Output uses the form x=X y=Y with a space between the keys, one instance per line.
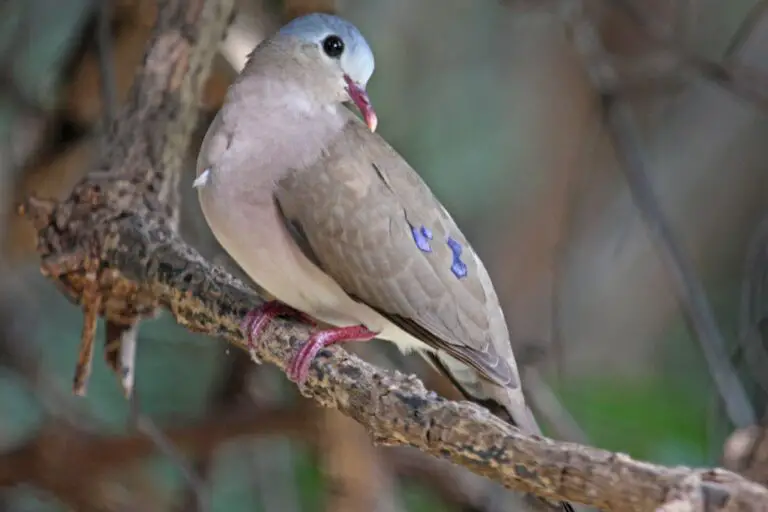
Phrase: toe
x=299 y=368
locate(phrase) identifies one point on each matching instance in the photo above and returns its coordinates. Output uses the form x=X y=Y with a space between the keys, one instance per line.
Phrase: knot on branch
x=74 y=239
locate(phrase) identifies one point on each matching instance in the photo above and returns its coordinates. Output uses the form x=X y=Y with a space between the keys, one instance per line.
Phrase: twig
x=92 y=301
x=120 y=347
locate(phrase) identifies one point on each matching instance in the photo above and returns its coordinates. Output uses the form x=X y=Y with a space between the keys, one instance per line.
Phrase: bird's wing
x=377 y=229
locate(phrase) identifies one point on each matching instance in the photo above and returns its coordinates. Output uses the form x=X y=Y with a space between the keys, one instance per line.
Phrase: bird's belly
x=256 y=239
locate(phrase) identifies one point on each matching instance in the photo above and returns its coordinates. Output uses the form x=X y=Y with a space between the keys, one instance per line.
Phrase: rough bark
x=111 y=247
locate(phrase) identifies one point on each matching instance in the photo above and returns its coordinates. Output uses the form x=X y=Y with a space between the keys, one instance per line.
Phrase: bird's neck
x=284 y=128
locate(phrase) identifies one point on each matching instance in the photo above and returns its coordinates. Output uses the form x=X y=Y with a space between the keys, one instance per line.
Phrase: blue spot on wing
x=422 y=236
x=458 y=267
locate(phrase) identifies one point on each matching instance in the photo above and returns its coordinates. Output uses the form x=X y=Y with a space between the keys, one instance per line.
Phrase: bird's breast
x=254 y=234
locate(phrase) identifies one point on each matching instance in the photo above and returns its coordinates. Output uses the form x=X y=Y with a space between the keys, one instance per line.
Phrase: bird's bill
x=360 y=98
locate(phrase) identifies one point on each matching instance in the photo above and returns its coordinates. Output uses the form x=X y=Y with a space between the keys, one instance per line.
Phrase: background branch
x=689 y=289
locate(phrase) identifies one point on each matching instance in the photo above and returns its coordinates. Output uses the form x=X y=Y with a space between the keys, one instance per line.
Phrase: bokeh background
x=492 y=102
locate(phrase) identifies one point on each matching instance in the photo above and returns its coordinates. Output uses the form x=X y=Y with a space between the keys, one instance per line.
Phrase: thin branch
x=545 y=403
x=119 y=215
x=741 y=81
x=100 y=455
x=120 y=346
x=147 y=427
x=228 y=395
x=96 y=455
x=753 y=348
x=690 y=292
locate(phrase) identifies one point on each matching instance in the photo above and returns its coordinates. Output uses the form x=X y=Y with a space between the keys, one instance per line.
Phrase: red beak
x=360 y=98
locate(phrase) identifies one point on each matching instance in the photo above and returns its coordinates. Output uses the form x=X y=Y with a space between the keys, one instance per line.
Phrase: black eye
x=333 y=46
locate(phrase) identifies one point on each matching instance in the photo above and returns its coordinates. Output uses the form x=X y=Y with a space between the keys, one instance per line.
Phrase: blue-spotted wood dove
x=326 y=216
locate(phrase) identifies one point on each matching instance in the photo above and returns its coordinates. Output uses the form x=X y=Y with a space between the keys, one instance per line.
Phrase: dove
x=322 y=213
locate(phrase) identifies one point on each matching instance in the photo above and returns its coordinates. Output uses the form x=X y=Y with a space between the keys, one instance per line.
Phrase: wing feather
x=355 y=213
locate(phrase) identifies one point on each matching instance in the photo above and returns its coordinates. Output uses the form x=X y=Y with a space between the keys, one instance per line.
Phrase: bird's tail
x=505 y=403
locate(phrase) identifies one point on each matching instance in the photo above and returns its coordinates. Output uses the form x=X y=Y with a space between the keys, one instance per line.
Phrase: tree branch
x=116 y=222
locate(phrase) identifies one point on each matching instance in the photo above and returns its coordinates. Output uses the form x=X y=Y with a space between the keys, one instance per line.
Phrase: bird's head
x=334 y=59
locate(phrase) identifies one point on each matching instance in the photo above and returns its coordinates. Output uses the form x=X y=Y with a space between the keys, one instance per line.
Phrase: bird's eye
x=333 y=46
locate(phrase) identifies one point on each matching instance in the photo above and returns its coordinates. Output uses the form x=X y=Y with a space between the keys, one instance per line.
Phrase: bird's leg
x=257 y=319
x=299 y=369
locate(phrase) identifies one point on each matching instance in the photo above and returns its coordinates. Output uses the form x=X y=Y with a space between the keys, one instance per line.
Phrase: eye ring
x=333 y=46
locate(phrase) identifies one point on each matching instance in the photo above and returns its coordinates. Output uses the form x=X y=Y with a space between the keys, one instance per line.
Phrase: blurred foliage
x=36 y=38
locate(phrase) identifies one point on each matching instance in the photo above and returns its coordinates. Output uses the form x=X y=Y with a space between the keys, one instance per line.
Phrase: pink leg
x=257 y=319
x=299 y=369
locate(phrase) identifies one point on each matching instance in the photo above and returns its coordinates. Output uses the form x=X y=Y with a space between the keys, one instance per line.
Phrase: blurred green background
x=491 y=103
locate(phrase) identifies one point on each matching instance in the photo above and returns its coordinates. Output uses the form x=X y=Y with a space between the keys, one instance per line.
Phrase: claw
x=257 y=320
x=299 y=368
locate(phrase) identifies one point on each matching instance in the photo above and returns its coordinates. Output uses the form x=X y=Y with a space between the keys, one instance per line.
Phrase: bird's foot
x=299 y=369
x=257 y=320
